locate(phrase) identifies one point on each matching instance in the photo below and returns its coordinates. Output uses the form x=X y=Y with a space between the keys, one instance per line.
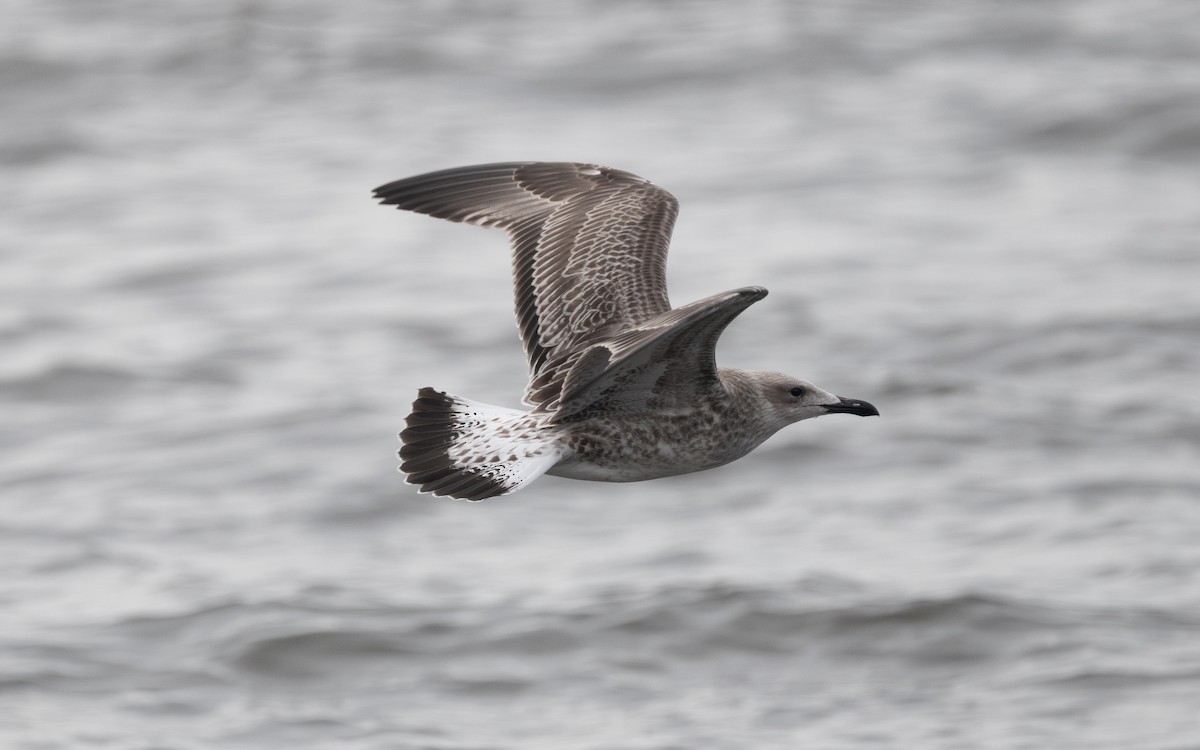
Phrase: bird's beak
x=852 y=406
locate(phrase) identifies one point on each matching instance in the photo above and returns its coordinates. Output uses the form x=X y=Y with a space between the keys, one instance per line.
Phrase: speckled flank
x=716 y=430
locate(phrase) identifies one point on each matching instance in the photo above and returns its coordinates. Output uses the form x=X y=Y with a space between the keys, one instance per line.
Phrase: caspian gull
x=623 y=387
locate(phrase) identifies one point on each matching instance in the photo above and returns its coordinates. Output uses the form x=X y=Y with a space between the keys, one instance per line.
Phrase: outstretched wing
x=589 y=249
x=665 y=363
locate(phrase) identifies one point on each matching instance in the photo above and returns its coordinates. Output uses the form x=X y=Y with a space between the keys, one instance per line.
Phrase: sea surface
x=982 y=217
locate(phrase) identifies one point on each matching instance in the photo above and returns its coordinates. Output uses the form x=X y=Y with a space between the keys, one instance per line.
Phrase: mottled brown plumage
x=623 y=387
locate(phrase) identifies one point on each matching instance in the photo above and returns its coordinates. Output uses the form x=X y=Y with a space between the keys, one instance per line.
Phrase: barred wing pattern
x=589 y=251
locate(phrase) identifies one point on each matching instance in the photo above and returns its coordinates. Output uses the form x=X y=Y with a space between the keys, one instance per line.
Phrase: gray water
x=982 y=217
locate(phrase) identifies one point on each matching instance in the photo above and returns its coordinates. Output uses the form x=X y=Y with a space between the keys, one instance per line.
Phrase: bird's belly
x=573 y=468
x=628 y=471
x=629 y=453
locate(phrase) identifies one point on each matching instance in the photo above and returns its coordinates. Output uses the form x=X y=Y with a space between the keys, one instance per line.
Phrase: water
x=981 y=217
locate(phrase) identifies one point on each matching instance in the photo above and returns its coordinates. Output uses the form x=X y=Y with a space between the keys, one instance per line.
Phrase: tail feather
x=470 y=450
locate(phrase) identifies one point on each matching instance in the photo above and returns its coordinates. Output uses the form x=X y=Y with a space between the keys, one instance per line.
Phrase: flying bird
x=622 y=386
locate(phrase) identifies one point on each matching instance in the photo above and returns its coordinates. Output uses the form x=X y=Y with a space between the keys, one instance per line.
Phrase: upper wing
x=589 y=249
x=667 y=362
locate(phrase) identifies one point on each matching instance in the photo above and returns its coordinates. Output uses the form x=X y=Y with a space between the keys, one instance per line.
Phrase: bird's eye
x=797 y=392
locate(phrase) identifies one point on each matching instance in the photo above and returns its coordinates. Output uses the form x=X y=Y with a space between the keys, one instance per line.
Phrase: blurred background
x=980 y=216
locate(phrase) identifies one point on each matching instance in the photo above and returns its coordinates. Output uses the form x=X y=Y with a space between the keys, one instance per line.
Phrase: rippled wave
x=982 y=219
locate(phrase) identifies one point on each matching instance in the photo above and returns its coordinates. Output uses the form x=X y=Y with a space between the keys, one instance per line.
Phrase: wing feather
x=589 y=249
x=667 y=362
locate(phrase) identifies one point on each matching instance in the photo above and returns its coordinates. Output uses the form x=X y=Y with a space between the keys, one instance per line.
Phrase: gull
x=622 y=386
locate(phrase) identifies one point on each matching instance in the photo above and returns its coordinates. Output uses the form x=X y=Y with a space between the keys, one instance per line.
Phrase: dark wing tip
x=550 y=179
x=455 y=193
x=505 y=194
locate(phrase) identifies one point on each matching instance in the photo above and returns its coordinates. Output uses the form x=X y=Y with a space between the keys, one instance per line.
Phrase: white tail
x=470 y=450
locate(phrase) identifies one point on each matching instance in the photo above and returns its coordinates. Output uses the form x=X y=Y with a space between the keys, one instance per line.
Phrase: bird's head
x=792 y=399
